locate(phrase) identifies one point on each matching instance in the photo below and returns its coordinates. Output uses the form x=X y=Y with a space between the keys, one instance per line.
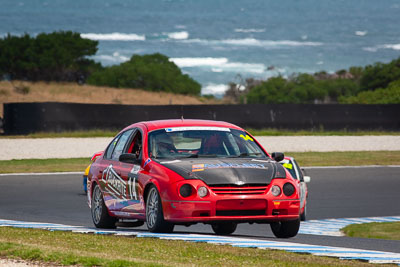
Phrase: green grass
x=386 y=230
x=353 y=158
x=305 y=159
x=105 y=250
x=43 y=165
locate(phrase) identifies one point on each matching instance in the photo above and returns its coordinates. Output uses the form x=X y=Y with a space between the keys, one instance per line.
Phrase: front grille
x=240 y=212
x=232 y=189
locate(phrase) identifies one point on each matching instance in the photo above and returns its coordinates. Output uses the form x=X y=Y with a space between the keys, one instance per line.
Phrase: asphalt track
x=334 y=193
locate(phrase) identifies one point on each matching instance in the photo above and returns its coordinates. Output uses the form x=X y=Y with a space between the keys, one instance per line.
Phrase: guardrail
x=23 y=118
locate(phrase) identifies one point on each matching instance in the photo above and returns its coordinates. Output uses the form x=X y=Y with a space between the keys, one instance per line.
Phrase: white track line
x=339 y=252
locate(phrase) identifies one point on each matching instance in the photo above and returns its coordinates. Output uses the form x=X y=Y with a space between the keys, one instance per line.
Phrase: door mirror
x=307 y=179
x=278 y=156
x=129 y=158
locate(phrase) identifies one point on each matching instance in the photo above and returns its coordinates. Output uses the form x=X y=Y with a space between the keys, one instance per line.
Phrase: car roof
x=161 y=124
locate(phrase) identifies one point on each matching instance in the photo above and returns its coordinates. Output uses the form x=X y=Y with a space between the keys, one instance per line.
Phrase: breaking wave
x=255 y=42
x=214 y=89
x=116 y=36
x=249 y=30
x=178 y=35
x=360 y=33
x=219 y=64
x=385 y=46
x=111 y=59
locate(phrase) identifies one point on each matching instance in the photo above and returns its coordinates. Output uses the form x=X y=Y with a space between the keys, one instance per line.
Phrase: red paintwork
x=193 y=208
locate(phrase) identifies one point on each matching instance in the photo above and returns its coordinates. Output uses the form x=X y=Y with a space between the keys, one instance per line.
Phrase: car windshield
x=288 y=164
x=194 y=142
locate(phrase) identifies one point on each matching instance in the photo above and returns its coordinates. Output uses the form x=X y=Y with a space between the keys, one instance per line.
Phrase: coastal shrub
x=300 y=89
x=390 y=95
x=380 y=75
x=57 y=56
x=149 y=72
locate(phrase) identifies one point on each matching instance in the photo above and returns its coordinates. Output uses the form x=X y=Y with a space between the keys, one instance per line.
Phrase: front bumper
x=256 y=209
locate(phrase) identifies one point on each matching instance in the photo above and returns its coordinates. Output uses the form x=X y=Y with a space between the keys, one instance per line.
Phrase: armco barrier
x=23 y=118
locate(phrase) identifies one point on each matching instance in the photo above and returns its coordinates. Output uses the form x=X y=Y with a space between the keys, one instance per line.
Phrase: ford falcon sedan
x=182 y=172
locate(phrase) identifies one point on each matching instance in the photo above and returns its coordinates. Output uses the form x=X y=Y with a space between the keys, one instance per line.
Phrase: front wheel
x=225 y=228
x=285 y=229
x=154 y=213
x=100 y=216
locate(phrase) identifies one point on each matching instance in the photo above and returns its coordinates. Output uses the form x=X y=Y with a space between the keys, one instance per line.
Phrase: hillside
x=71 y=92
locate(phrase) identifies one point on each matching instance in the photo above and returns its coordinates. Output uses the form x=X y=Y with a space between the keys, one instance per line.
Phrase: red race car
x=302 y=179
x=172 y=172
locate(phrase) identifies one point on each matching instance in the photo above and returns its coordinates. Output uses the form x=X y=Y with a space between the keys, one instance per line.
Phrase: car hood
x=220 y=171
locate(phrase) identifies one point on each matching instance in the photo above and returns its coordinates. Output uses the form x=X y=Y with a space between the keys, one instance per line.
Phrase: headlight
x=275 y=190
x=288 y=189
x=202 y=191
x=185 y=190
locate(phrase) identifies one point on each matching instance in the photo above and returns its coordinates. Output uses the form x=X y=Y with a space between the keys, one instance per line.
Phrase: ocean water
x=222 y=41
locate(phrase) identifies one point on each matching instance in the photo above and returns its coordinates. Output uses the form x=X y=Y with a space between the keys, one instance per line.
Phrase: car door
x=130 y=172
x=113 y=185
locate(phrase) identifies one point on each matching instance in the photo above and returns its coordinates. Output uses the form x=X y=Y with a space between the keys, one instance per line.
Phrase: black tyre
x=100 y=216
x=286 y=229
x=225 y=228
x=303 y=215
x=154 y=213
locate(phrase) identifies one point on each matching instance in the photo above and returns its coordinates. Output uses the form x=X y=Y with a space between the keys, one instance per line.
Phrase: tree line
x=65 y=56
x=374 y=84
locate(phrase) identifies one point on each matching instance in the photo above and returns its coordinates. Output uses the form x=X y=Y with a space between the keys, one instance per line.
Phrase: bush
x=151 y=72
x=57 y=56
x=380 y=75
x=390 y=95
x=300 y=89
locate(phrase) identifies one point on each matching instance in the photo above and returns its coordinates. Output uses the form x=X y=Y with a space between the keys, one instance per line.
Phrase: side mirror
x=278 y=156
x=129 y=158
x=307 y=179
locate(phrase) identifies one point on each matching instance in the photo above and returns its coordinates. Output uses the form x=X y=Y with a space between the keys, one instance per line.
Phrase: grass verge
x=305 y=159
x=43 y=165
x=68 y=248
x=386 y=230
x=348 y=158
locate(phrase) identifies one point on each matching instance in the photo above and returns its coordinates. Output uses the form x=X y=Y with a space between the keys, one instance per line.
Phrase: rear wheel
x=303 y=215
x=100 y=216
x=225 y=228
x=154 y=213
x=285 y=229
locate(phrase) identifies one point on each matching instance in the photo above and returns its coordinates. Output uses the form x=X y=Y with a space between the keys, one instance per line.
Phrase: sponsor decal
x=247 y=137
x=118 y=187
x=197 y=167
x=287 y=165
x=135 y=169
x=146 y=162
x=180 y=129
x=202 y=167
x=114 y=183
